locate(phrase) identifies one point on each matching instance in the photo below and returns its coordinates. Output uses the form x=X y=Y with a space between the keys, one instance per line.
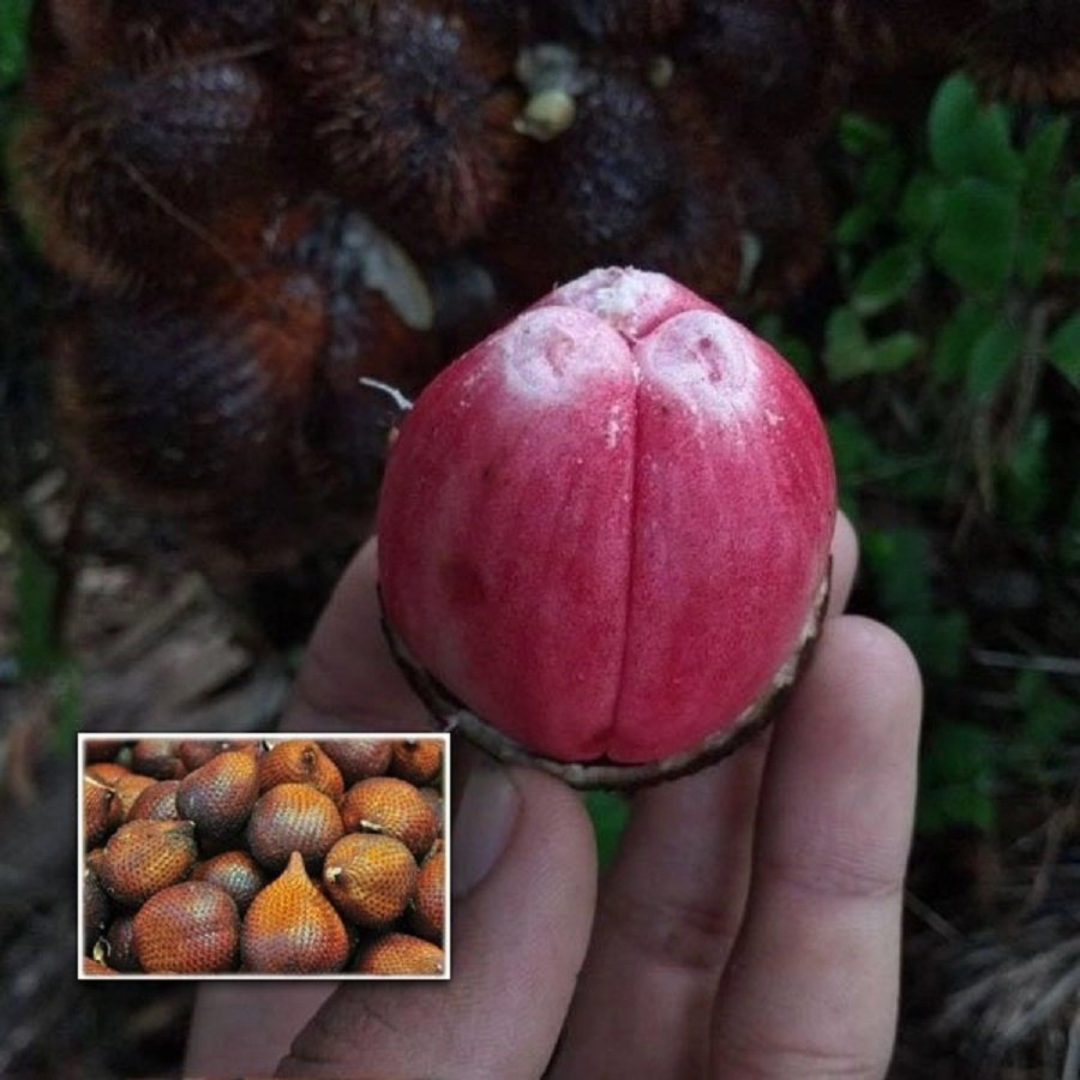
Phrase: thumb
x=524 y=885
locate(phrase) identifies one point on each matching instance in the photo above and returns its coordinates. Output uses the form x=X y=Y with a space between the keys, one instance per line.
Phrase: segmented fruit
x=359 y=759
x=293 y=817
x=300 y=762
x=291 y=928
x=144 y=857
x=417 y=760
x=190 y=928
x=427 y=914
x=220 y=795
x=370 y=878
x=234 y=871
x=393 y=807
x=399 y=954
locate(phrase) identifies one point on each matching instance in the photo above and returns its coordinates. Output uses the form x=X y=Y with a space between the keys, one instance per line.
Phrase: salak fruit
x=604 y=533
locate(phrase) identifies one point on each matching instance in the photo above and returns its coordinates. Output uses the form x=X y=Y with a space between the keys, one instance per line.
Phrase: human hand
x=749 y=925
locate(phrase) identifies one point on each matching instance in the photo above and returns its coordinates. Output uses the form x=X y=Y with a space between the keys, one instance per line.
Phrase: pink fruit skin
x=603 y=527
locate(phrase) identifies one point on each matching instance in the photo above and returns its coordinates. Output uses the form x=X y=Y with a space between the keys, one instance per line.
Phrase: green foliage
x=14 y=21
x=952 y=357
x=609 y=812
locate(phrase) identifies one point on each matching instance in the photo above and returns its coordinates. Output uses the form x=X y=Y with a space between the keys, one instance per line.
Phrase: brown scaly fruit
x=195 y=753
x=190 y=928
x=369 y=878
x=427 y=912
x=359 y=759
x=157 y=758
x=156 y=803
x=98 y=750
x=236 y=872
x=118 y=949
x=291 y=928
x=144 y=857
x=293 y=818
x=417 y=760
x=108 y=772
x=220 y=795
x=91 y=966
x=102 y=811
x=95 y=909
x=393 y=807
x=399 y=954
x=128 y=789
x=300 y=761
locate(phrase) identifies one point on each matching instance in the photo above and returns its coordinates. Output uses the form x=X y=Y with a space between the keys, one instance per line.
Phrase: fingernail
x=485 y=819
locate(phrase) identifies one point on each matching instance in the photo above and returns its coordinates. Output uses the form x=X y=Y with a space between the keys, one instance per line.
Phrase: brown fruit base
x=454 y=715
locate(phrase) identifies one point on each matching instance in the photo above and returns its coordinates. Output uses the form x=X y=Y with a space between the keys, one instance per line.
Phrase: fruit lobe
x=605 y=528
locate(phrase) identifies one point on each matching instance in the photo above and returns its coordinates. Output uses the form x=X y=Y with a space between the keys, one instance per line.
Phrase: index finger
x=348 y=680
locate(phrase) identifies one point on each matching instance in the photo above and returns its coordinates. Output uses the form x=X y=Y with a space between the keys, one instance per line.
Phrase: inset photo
x=264 y=856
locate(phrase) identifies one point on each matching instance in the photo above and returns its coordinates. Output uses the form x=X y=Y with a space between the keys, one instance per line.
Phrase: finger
x=244 y=1028
x=349 y=681
x=845 y=564
x=670 y=908
x=524 y=861
x=811 y=988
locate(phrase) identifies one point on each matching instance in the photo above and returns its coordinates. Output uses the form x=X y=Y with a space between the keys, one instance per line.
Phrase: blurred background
x=217 y=217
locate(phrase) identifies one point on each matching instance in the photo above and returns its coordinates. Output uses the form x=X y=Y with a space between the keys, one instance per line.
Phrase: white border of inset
x=271 y=738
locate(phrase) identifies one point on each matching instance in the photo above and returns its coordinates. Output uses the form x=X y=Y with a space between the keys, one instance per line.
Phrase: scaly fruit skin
x=391 y=807
x=144 y=857
x=605 y=530
x=190 y=928
x=291 y=928
x=220 y=795
x=399 y=954
x=370 y=879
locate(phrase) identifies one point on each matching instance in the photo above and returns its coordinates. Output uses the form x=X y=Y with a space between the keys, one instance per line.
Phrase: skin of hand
x=748 y=927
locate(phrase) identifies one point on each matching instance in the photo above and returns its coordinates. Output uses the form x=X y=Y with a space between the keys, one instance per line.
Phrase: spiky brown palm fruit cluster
x=261 y=858
x=260 y=202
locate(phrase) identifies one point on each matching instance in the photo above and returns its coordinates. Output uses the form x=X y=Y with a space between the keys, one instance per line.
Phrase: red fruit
x=606 y=531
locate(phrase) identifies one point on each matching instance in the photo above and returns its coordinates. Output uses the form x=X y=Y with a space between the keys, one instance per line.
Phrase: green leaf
x=977 y=240
x=37 y=650
x=1034 y=241
x=922 y=205
x=888 y=278
x=1070 y=202
x=1043 y=155
x=609 y=812
x=860 y=136
x=951 y=356
x=993 y=355
x=896 y=351
x=1063 y=349
x=854 y=449
x=957 y=778
x=1026 y=484
x=847 y=350
x=939 y=640
x=880 y=182
x=899 y=563
x=14 y=24
x=856 y=224
x=969 y=140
